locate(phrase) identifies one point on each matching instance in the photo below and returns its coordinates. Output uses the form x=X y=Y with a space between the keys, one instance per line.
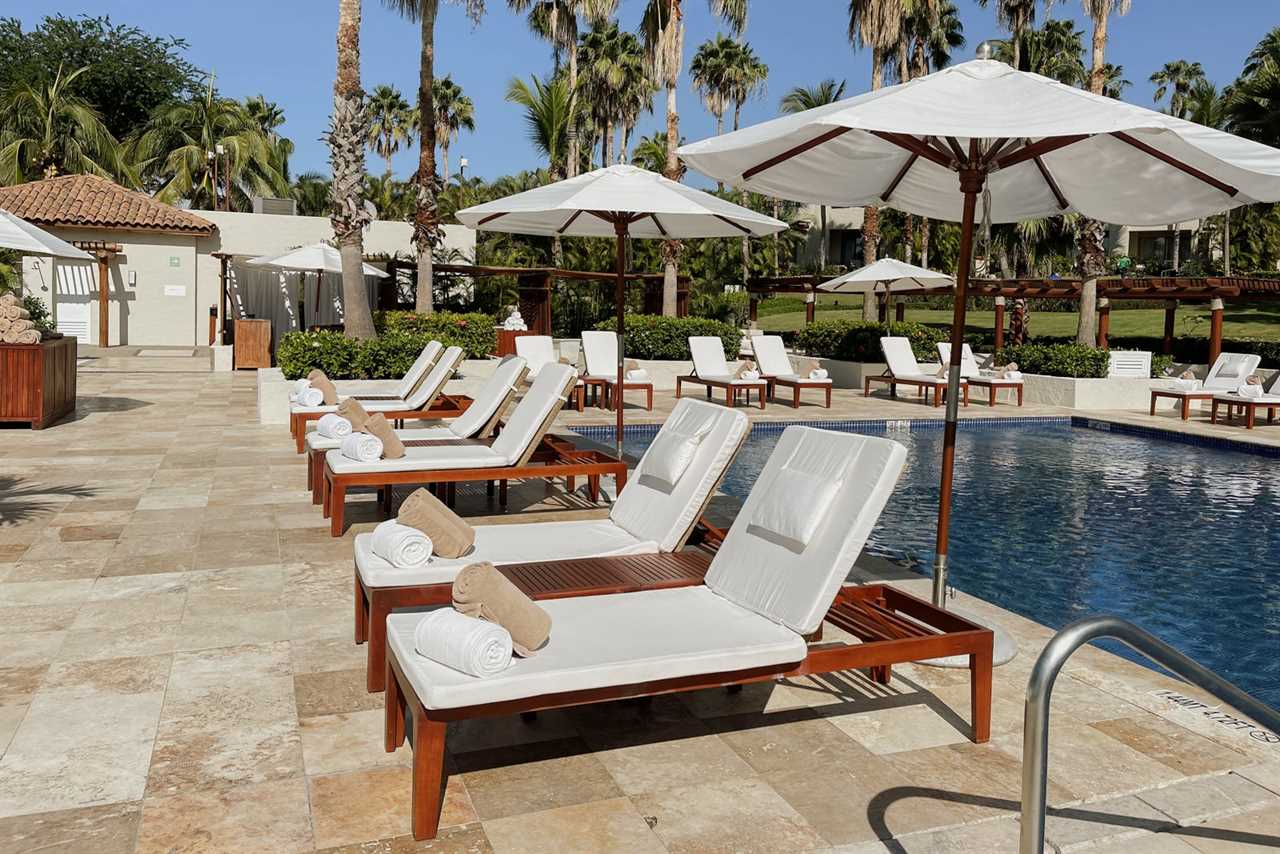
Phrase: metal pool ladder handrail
x=1035 y=725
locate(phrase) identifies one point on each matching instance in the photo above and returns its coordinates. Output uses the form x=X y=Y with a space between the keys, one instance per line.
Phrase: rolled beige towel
x=378 y=425
x=4 y=325
x=1253 y=379
x=31 y=336
x=10 y=299
x=21 y=325
x=315 y=374
x=481 y=591
x=745 y=368
x=450 y=535
x=14 y=312
x=1186 y=375
x=327 y=389
x=351 y=410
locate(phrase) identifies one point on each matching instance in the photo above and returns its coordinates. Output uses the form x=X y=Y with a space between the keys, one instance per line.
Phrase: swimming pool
x=1058 y=519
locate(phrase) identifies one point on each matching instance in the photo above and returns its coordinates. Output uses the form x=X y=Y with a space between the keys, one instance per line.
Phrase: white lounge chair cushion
x=796 y=378
x=419 y=368
x=771 y=355
x=926 y=379
x=729 y=379
x=795 y=505
x=968 y=362
x=499 y=544
x=495 y=391
x=396 y=405
x=537 y=350
x=600 y=349
x=603 y=641
x=796 y=587
x=428 y=458
x=1232 y=397
x=316 y=442
x=673 y=451
x=1229 y=369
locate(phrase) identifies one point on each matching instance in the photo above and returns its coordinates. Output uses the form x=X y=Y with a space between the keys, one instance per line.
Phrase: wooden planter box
x=38 y=381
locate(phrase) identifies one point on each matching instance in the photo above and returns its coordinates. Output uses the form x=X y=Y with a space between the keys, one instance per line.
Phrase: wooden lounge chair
x=903 y=369
x=1226 y=373
x=520 y=451
x=651 y=515
x=426 y=401
x=478 y=421
x=711 y=370
x=972 y=374
x=765 y=593
x=1248 y=406
x=540 y=350
x=600 y=349
x=775 y=368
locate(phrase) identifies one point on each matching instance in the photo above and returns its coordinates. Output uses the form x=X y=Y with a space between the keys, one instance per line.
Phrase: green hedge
x=859 y=340
x=473 y=332
x=650 y=336
x=341 y=358
x=1056 y=360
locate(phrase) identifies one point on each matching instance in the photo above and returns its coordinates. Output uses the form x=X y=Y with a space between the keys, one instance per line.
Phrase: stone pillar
x=999 y=324
x=1170 y=309
x=1215 y=329
x=810 y=306
x=1104 y=321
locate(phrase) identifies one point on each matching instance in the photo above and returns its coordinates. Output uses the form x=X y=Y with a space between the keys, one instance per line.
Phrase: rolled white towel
x=750 y=375
x=401 y=546
x=333 y=426
x=818 y=374
x=361 y=447
x=638 y=375
x=1013 y=375
x=299 y=386
x=1247 y=390
x=310 y=397
x=466 y=644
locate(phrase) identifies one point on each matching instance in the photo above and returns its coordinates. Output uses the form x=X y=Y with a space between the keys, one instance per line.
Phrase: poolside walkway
x=177 y=673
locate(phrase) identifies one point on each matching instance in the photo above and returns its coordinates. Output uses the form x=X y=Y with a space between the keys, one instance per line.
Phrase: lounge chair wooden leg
x=502 y=493
x=1213 y=413
x=649 y=399
x=300 y=436
x=452 y=492
x=980 y=696
x=619 y=481
x=428 y=776
x=376 y=656
x=393 y=729
x=729 y=396
x=760 y=394
x=362 y=613
x=324 y=496
x=488 y=488
x=677 y=388
x=866 y=391
x=991 y=395
x=1019 y=394
x=1250 y=413
x=593 y=488
x=1153 y=403
x=829 y=395
x=337 y=507
x=795 y=397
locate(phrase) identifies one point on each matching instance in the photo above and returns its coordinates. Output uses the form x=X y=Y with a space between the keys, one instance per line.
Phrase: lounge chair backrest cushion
x=496 y=391
x=968 y=362
x=1229 y=370
x=528 y=420
x=601 y=349
x=419 y=369
x=708 y=356
x=771 y=355
x=775 y=576
x=433 y=383
x=1130 y=363
x=536 y=350
x=649 y=508
x=897 y=353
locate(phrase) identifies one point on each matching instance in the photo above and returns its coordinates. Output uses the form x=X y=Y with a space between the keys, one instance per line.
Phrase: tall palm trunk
x=444 y=161
x=777 y=241
x=346 y=153
x=824 y=238
x=424 y=219
x=925 y=230
x=671 y=248
x=571 y=133
x=1093 y=260
x=1226 y=242
x=626 y=142
x=871 y=214
x=608 y=144
x=1175 y=235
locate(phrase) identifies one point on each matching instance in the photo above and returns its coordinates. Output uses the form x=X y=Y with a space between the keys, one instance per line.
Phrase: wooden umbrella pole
x=620 y=229
x=971 y=183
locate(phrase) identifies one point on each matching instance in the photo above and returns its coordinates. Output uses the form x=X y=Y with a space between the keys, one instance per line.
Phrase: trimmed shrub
x=650 y=336
x=1057 y=360
x=331 y=352
x=387 y=357
x=473 y=332
x=859 y=340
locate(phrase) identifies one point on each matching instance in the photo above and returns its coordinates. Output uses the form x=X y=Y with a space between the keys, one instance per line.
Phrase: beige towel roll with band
x=744 y=368
x=378 y=425
x=481 y=591
x=351 y=410
x=450 y=535
x=316 y=374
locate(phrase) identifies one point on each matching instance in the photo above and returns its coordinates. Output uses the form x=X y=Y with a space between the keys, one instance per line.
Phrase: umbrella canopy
x=1027 y=145
x=312 y=258
x=888 y=275
x=619 y=201
x=17 y=233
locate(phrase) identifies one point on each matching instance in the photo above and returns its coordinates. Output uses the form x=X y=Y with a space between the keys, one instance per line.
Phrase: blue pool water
x=1057 y=522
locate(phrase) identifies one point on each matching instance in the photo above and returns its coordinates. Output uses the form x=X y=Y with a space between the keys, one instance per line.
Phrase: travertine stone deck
x=177 y=674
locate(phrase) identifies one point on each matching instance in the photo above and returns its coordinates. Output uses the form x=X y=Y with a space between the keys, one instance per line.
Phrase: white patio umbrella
x=318 y=258
x=888 y=275
x=1027 y=145
x=619 y=201
x=17 y=233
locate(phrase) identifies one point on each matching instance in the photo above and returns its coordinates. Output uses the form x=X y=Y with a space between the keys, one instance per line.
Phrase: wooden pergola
x=103 y=252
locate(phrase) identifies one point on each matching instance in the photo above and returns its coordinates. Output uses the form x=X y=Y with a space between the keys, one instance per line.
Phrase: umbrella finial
x=986 y=50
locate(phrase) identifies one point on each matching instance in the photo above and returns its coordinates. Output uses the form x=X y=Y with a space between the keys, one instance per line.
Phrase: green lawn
x=1256 y=320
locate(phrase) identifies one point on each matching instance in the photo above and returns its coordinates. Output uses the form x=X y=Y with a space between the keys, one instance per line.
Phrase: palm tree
x=1266 y=55
x=269 y=116
x=390 y=120
x=547 y=118
x=798 y=100
x=635 y=95
x=312 y=193
x=1016 y=16
x=1176 y=79
x=935 y=34
x=1055 y=50
x=651 y=153
x=612 y=78
x=426 y=220
x=348 y=133
x=745 y=77
x=454 y=113
x=47 y=130
x=172 y=153
x=1113 y=81
x=709 y=72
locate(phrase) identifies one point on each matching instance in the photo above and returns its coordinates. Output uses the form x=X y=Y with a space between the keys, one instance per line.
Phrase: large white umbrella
x=1026 y=145
x=17 y=233
x=619 y=201
x=318 y=258
x=888 y=275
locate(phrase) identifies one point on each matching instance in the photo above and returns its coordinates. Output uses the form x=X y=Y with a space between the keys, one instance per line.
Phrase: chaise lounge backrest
x=900 y=358
x=600 y=347
x=702 y=436
x=1230 y=370
x=482 y=415
x=708 y=357
x=537 y=351
x=805 y=522
x=533 y=415
x=771 y=355
x=419 y=368
x=968 y=362
x=1130 y=363
x=433 y=383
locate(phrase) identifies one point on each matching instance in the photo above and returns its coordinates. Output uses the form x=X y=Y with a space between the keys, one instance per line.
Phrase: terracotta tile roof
x=88 y=201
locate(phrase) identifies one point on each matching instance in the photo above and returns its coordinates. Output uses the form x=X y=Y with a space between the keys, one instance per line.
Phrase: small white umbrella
x=17 y=233
x=318 y=258
x=619 y=201
x=1027 y=145
x=888 y=275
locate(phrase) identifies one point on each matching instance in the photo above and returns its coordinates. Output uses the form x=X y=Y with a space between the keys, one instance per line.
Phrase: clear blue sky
x=284 y=49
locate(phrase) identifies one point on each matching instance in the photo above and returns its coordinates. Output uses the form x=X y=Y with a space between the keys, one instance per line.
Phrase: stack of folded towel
x=333 y=426
x=1010 y=372
x=491 y=619
x=16 y=326
x=635 y=373
x=514 y=322
x=748 y=371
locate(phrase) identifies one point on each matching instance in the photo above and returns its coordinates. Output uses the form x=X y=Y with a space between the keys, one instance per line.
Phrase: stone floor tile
x=35 y=648
x=907 y=727
x=1173 y=745
x=261 y=817
x=132 y=610
x=1265 y=774
x=318 y=656
x=466 y=839
x=108 y=829
x=668 y=756
x=136 y=640
x=612 y=825
x=18 y=684
x=490 y=733
x=375 y=804
x=1247 y=833
x=333 y=692
x=68 y=592
x=533 y=777
x=1103 y=822
x=44 y=618
x=1191 y=801
x=34 y=780
x=346 y=742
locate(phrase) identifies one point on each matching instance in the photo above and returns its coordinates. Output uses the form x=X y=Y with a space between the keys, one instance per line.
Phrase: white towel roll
x=361 y=447
x=1013 y=375
x=637 y=375
x=401 y=546
x=818 y=374
x=750 y=375
x=333 y=426
x=299 y=386
x=1246 y=390
x=466 y=644
x=310 y=397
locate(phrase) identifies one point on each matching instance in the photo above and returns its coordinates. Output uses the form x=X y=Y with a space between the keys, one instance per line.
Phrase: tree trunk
x=1097 y=74
x=926 y=229
x=1226 y=242
x=671 y=249
x=824 y=238
x=444 y=161
x=1093 y=265
x=719 y=132
x=571 y=134
x=1175 y=234
x=608 y=144
x=908 y=237
x=626 y=142
x=424 y=218
x=871 y=214
x=777 y=241
x=346 y=152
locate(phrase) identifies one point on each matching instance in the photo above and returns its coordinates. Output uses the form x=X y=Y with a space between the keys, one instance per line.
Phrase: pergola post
x=999 y=324
x=882 y=307
x=104 y=282
x=810 y=306
x=753 y=307
x=1215 y=329
x=224 y=274
x=1104 y=321
x=1170 y=310
x=899 y=311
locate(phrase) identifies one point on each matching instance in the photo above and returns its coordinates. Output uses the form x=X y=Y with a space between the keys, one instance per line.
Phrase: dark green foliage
x=1161 y=365
x=859 y=340
x=331 y=352
x=651 y=336
x=1057 y=360
x=474 y=332
x=403 y=335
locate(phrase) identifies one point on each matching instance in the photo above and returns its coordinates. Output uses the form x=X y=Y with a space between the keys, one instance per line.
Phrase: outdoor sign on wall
x=175 y=290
